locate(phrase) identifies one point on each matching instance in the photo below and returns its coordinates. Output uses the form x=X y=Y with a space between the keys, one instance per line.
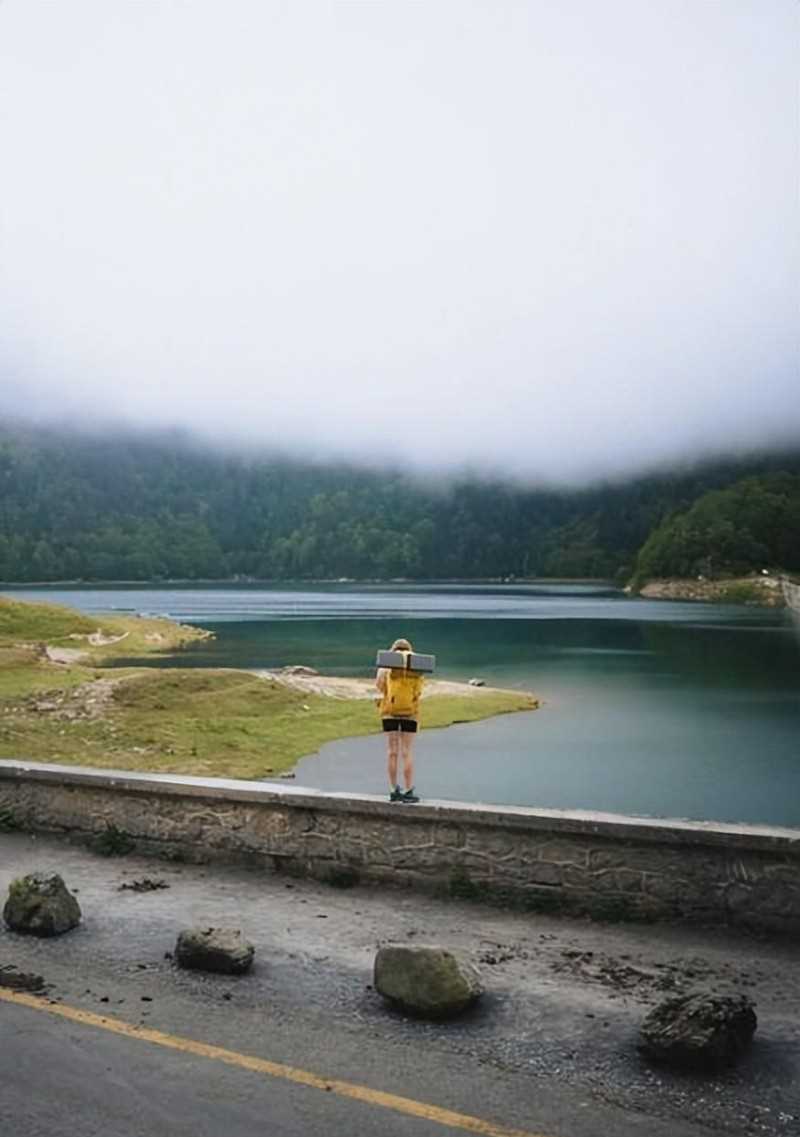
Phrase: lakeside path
x=550 y=1051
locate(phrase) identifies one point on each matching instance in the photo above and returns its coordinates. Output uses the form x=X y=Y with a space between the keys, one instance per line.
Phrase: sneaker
x=397 y=794
x=409 y=795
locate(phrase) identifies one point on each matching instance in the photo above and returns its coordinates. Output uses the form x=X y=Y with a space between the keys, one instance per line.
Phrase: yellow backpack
x=403 y=691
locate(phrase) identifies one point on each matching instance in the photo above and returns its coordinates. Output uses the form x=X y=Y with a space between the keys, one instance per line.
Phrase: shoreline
x=761 y=591
x=62 y=699
x=756 y=590
x=192 y=582
x=305 y=681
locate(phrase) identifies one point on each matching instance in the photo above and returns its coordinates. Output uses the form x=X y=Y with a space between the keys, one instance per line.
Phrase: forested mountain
x=751 y=524
x=132 y=508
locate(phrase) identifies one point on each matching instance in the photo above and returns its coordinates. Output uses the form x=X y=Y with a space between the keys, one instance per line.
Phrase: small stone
x=214 y=949
x=20 y=980
x=475 y=682
x=699 y=1031
x=427 y=980
x=146 y=884
x=40 y=904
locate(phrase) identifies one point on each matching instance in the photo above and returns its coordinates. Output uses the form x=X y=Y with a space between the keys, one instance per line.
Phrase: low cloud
x=550 y=240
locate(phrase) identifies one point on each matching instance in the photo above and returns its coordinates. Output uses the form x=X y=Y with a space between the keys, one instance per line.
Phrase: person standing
x=398 y=705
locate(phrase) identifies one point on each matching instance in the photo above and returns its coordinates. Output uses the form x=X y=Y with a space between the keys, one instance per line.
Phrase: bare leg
x=393 y=748
x=407 y=753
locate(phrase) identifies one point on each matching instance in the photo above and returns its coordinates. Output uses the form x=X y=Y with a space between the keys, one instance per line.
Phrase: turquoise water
x=649 y=707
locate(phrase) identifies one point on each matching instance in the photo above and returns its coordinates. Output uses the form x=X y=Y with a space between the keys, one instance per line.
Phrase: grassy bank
x=47 y=646
x=190 y=721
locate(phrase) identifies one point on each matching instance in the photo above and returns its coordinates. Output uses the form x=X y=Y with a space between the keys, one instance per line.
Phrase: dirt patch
x=306 y=681
x=637 y=978
x=146 y=884
x=621 y=974
x=16 y=980
x=63 y=654
x=88 y=702
x=97 y=639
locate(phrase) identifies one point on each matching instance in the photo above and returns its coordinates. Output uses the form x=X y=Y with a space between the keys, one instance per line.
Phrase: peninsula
x=85 y=690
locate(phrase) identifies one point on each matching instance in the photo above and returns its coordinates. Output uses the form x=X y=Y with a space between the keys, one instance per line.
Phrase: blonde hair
x=401 y=645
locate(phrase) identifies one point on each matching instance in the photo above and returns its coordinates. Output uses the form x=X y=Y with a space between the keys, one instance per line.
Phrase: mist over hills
x=153 y=507
x=556 y=240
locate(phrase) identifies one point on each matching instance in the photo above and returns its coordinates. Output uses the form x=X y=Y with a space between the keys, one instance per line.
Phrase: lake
x=655 y=708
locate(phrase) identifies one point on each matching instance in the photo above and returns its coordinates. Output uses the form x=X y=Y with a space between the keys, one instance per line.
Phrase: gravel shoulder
x=564 y=996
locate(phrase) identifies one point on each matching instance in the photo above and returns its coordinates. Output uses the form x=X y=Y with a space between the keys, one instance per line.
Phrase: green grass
x=50 y=622
x=217 y=723
x=214 y=723
x=741 y=592
x=23 y=626
x=21 y=674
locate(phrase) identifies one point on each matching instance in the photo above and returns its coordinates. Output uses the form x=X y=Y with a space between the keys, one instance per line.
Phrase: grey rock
x=475 y=682
x=699 y=1031
x=214 y=949
x=41 y=905
x=426 y=979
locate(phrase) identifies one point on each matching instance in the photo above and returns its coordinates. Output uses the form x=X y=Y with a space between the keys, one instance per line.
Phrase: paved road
x=550 y=1054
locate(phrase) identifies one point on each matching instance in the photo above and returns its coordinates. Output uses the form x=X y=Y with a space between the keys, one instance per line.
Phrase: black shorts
x=407 y=726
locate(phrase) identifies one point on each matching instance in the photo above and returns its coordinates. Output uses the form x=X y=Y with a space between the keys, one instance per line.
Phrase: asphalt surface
x=550 y=1050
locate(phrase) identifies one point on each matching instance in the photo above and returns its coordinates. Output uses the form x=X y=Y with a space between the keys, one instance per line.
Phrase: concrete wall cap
x=670 y=831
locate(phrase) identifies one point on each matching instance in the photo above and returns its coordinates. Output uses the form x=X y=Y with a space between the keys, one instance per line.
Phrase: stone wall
x=604 y=864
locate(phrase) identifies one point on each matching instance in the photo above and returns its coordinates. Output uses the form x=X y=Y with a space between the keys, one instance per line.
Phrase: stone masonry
x=602 y=864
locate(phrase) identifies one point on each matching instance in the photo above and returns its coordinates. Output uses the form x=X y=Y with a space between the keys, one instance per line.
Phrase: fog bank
x=551 y=240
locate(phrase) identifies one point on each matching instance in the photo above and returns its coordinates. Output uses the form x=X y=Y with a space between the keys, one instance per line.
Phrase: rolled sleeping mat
x=407 y=661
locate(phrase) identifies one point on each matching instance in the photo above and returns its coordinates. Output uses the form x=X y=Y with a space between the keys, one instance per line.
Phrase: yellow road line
x=263 y=1066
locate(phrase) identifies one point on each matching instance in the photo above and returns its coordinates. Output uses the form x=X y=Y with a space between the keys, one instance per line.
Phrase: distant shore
x=760 y=590
x=756 y=589
x=198 y=582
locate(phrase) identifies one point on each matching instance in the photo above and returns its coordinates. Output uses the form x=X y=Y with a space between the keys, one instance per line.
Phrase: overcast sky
x=554 y=237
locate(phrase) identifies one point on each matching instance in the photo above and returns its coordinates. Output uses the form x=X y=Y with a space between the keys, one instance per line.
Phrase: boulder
x=427 y=980
x=41 y=905
x=476 y=682
x=698 y=1031
x=214 y=949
